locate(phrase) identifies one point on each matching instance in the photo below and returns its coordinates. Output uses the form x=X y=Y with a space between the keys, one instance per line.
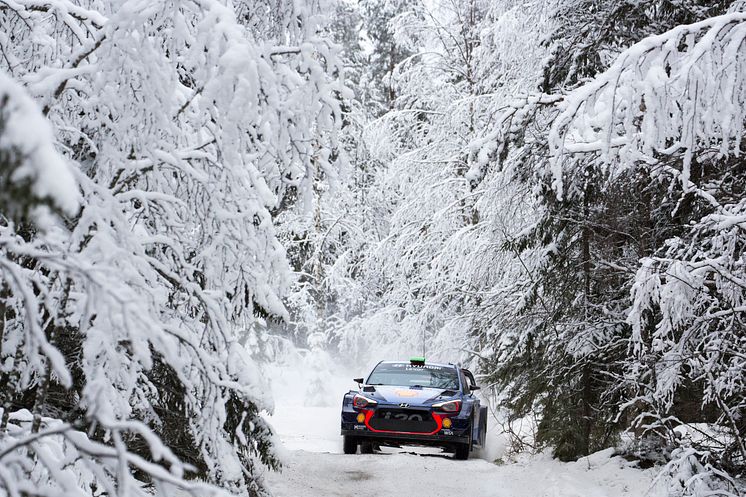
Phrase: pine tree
x=378 y=85
x=569 y=361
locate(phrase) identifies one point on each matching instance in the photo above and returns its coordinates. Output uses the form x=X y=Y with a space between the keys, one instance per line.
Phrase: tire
x=366 y=447
x=349 y=445
x=463 y=450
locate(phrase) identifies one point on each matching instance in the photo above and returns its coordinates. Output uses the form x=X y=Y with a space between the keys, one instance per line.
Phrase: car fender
x=468 y=404
x=478 y=415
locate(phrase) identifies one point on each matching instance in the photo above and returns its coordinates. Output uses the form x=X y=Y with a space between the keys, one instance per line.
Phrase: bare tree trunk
x=587 y=396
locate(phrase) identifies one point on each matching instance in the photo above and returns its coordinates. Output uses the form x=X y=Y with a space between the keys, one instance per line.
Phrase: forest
x=551 y=192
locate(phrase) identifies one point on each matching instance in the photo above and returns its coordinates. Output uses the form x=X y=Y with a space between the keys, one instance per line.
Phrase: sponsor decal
x=406 y=393
x=419 y=366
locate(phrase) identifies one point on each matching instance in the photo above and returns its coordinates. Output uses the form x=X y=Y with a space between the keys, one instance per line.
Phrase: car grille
x=408 y=420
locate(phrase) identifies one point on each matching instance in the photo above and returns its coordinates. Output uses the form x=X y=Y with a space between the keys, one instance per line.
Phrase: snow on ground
x=314 y=465
x=316 y=474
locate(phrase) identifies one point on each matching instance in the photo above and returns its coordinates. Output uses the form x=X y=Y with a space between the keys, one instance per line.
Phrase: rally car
x=414 y=403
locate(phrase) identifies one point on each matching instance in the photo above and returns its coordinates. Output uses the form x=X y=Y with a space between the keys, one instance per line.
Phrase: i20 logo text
x=402 y=416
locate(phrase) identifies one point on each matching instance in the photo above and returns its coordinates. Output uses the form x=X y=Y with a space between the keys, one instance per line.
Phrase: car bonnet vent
x=369 y=388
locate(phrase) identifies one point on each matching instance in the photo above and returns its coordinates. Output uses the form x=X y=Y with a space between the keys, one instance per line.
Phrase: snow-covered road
x=316 y=467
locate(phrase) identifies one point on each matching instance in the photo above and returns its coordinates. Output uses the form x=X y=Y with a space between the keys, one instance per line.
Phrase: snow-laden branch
x=25 y=134
x=668 y=94
x=60 y=8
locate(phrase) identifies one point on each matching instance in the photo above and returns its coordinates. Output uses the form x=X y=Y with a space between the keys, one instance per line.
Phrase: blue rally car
x=414 y=403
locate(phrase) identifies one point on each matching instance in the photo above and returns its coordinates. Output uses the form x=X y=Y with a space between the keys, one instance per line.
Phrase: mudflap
x=479 y=431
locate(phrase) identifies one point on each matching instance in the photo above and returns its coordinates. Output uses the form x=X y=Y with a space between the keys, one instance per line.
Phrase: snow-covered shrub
x=691 y=473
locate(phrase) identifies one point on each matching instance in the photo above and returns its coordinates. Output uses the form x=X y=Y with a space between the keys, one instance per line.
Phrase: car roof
x=444 y=365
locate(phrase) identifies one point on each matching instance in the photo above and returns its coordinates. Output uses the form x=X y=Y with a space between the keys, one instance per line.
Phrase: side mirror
x=474 y=387
x=358 y=380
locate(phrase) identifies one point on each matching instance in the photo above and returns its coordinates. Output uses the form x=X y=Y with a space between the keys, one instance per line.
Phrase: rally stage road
x=314 y=466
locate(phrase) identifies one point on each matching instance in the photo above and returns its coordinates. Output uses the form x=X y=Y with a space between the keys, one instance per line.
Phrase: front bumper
x=458 y=433
x=396 y=439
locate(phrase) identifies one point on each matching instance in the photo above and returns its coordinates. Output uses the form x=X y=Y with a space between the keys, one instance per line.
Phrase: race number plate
x=402 y=415
x=408 y=420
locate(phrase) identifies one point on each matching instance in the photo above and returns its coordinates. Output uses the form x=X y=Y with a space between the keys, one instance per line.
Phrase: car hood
x=410 y=395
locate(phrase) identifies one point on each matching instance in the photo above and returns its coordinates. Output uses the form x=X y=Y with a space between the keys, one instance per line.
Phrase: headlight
x=450 y=406
x=360 y=401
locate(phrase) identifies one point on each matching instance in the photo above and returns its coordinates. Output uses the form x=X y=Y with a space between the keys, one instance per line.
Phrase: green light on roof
x=417 y=360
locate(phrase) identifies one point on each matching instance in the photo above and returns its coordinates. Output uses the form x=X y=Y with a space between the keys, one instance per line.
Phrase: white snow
x=315 y=474
x=27 y=131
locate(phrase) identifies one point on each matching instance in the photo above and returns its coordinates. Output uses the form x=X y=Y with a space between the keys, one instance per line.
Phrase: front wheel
x=366 y=447
x=462 y=452
x=349 y=445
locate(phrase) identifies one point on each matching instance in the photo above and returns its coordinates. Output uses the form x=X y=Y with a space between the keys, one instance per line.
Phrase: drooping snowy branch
x=29 y=163
x=674 y=93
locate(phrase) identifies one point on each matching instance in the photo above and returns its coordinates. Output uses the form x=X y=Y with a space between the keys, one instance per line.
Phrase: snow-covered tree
x=377 y=89
x=670 y=109
x=567 y=360
x=421 y=256
x=185 y=124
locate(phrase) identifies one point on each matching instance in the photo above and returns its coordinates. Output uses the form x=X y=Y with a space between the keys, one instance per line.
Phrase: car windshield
x=405 y=374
